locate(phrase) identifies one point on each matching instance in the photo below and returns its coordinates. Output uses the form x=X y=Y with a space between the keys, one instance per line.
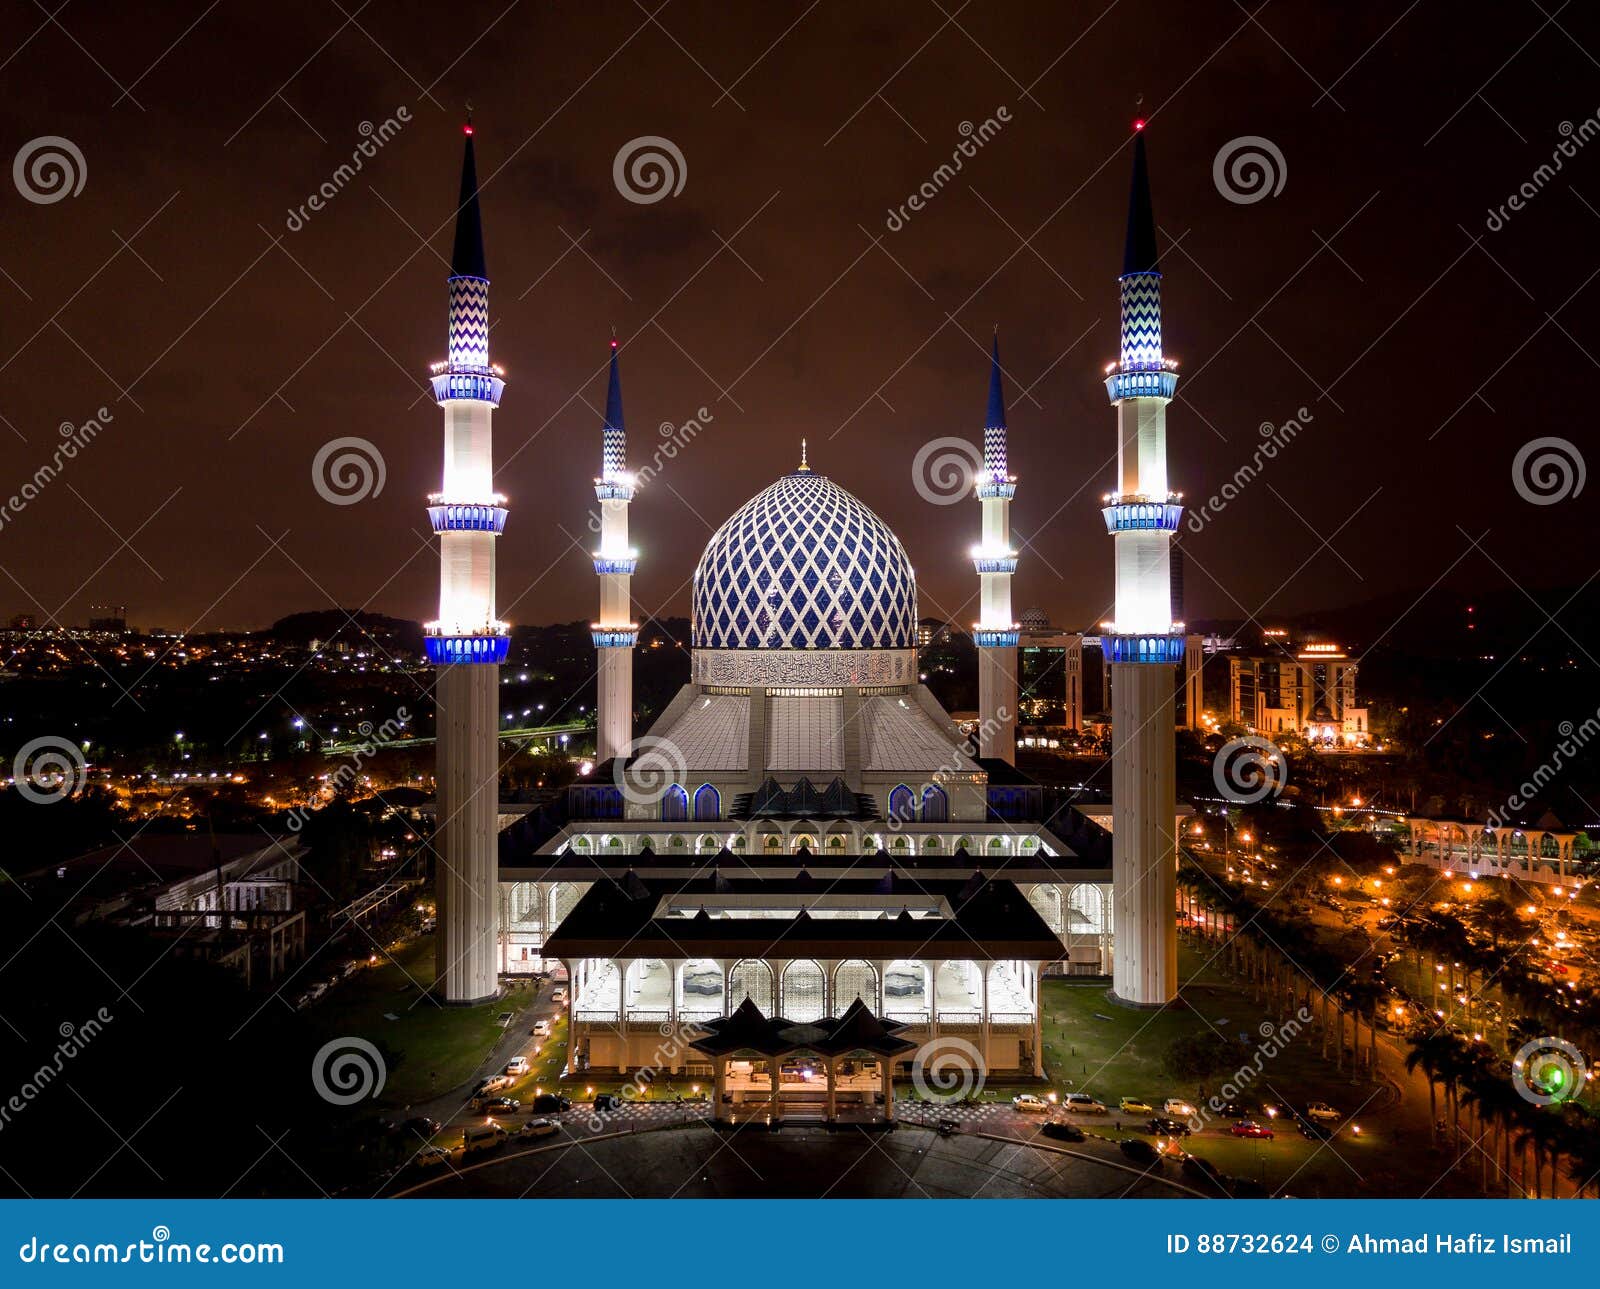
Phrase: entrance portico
x=837 y=1069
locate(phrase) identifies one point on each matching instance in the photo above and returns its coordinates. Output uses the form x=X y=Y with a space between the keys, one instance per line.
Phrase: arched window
x=935 y=805
x=902 y=805
x=804 y=991
x=675 y=804
x=854 y=979
x=752 y=979
x=707 y=804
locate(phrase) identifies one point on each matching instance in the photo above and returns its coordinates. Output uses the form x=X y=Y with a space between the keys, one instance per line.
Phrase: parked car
x=541 y=1029
x=606 y=1102
x=1083 y=1103
x=482 y=1136
x=1322 y=1112
x=1167 y=1127
x=550 y=1103
x=421 y=1126
x=559 y=996
x=1235 y=1110
x=517 y=1066
x=540 y=1128
x=502 y=1105
x=431 y=1157
x=1027 y=1103
x=1177 y=1108
x=1132 y=1105
x=491 y=1084
x=1139 y=1150
x=1311 y=1128
x=1250 y=1128
x=1060 y=1131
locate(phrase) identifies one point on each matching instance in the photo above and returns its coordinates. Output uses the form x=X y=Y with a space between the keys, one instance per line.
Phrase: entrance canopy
x=748 y=1030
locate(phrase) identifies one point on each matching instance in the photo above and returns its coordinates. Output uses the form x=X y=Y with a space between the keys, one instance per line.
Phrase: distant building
x=108 y=617
x=932 y=631
x=22 y=622
x=1306 y=688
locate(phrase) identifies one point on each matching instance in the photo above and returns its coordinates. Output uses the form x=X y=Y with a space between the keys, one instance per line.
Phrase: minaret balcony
x=994 y=561
x=990 y=484
x=1155 y=379
x=1142 y=647
x=446 y=645
x=466 y=516
x=616 y=488
x=1128 y=515
x=624 y=564
x=614 y=637
x=461 y=383
x=997 y=637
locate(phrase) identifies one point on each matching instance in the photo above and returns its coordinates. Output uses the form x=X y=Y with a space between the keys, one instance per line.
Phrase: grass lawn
x=437 y=1047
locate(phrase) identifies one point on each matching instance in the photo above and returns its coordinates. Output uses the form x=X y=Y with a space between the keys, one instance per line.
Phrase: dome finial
x=803 y=464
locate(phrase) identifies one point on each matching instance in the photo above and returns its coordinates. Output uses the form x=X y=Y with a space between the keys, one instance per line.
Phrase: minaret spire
x=615 y=633
x=995 y=633
x=466 y=642
x=1142 y=643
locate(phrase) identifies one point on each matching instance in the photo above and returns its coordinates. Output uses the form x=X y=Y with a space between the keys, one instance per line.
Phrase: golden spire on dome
x=803 y=464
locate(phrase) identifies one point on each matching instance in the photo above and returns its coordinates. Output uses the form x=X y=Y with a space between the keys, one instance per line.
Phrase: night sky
x=229 y=348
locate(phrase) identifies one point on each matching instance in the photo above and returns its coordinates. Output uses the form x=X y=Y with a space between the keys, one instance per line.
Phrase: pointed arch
x=902 y=804
x=675 y=804
x=935 y=805
x=707 y=804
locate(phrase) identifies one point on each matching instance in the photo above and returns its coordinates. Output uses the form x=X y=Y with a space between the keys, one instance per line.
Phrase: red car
x=1250 y=1128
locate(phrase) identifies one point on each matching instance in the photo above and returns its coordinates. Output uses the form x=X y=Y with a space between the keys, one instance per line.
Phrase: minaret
x=1142 y=645
x=996 y=633
x=467 y=644
x=615 y=633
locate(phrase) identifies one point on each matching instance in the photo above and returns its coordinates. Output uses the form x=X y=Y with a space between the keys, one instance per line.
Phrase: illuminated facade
x=467 y=643
x=1308 y=690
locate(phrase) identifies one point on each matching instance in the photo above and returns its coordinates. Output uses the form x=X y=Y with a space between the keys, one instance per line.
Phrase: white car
x=1083 y=1103
x=431 y=1157
x=1177 y=1108
x=540 y=1128
x=1322 y=1112
x=1027 y=1103
x=541 y=1029
x=517 y=1066
x=560 y=996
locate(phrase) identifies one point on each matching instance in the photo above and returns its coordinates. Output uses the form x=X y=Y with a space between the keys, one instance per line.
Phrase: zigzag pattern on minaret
x=994 y=451
x=469 y=322
x=613 y=452
x=1141 y=319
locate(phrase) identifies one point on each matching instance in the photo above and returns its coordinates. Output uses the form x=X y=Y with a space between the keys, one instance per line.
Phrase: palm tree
x=1498 y=1104
x=1430 y=1052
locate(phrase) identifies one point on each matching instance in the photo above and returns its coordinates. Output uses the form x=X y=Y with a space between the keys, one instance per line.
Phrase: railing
x=694 y=1015
x=961 y=1018
x=643 y=1014
x=595 y=1016
x=907 y=1017
x=1011 y=1018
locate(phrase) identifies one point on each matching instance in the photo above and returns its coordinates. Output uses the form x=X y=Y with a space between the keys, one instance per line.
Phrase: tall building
x=467 y=643
x=1306 y=689
x=995 y=634
x=1142 y=644
x=615 y=633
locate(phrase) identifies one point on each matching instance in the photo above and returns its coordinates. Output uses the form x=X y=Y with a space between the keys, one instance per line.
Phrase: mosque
x=804 y=868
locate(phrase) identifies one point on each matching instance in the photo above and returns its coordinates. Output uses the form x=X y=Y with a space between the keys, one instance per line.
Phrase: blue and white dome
x=804 y=565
